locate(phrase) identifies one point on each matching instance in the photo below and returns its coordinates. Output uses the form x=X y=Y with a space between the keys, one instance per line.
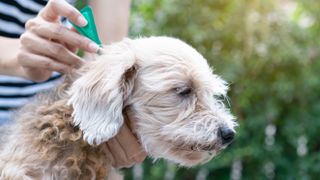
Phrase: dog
x=165 y=85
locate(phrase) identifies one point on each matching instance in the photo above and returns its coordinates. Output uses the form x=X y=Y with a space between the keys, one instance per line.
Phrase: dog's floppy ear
x=98 y=95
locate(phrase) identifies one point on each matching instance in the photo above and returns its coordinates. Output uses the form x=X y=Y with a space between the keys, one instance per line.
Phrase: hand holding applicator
x=90 y=30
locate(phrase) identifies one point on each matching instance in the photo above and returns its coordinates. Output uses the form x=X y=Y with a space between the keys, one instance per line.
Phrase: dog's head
x=169 y=91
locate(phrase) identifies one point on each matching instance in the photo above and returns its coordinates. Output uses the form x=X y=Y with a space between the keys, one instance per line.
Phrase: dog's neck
x=58 y=142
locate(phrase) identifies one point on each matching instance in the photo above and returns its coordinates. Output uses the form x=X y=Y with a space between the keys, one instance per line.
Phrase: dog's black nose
x=226 y=134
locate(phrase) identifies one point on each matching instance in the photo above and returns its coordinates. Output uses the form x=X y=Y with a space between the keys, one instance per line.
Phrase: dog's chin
x=190 y=158
x=186 y=157
x=191 y=155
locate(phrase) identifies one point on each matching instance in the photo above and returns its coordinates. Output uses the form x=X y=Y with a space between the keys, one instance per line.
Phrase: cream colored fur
x=163 y=84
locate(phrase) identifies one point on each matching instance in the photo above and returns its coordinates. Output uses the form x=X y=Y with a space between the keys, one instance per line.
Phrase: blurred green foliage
x=269 y=53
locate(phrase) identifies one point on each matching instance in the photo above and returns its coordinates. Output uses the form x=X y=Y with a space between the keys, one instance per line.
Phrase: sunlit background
x=268 y=50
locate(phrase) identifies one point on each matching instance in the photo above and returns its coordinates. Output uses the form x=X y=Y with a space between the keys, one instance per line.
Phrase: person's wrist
x=9 y=64
x=15 y=67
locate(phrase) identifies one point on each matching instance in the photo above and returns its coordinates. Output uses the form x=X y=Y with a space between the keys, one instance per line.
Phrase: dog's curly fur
x=48 y=145
x=162 y=83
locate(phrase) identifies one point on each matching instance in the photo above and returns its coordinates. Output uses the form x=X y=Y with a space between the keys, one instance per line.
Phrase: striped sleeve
x=14 y=91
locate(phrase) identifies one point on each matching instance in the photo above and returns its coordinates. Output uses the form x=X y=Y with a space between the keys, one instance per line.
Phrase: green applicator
x=90 y=30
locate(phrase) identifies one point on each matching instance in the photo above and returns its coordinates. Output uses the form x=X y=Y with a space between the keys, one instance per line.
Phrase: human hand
x=124 y=148
x=48 y=46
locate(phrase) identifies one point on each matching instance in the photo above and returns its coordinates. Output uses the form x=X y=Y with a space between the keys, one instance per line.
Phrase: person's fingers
x=39 y=68
x=74 y=29
x=71 y=48
x=119 y=156
x=55 y=51
x=139 y=156
x=63 y=34
x=108 y=152
x=36 y=74
x=56 y=8
x=132 y=148
x=30 y=60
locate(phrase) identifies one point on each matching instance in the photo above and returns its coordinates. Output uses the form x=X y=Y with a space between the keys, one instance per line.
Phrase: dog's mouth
x=191 y=155
x=212 y=147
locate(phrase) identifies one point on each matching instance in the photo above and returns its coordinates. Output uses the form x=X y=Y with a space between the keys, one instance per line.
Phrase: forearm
x=112 y=19
x=8 y=57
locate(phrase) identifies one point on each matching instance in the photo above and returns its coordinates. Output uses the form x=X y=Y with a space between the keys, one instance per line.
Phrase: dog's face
x=168 y=90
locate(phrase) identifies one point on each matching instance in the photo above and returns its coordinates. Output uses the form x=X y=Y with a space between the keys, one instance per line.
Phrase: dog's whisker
x=228 y=101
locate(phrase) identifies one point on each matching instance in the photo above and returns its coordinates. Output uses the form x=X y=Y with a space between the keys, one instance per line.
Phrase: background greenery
x=268 y=50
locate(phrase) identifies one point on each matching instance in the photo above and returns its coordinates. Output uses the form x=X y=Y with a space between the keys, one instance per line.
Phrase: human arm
x=124 y=148
x=8 y=61
x=112 y=19
x=46 y=45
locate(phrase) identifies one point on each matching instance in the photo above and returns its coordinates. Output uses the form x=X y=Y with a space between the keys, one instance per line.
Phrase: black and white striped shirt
x=15 y=91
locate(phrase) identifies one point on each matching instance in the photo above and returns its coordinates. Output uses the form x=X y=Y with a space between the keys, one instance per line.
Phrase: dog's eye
x=184 y=91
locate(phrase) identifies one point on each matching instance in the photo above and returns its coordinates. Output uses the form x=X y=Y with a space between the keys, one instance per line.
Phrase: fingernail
x=82 y=21
x=93 y=47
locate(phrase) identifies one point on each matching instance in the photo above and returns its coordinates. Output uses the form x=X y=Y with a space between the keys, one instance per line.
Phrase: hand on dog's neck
x=130 y=120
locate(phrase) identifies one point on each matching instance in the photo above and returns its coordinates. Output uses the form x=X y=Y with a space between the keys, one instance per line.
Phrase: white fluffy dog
x=164 y=84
